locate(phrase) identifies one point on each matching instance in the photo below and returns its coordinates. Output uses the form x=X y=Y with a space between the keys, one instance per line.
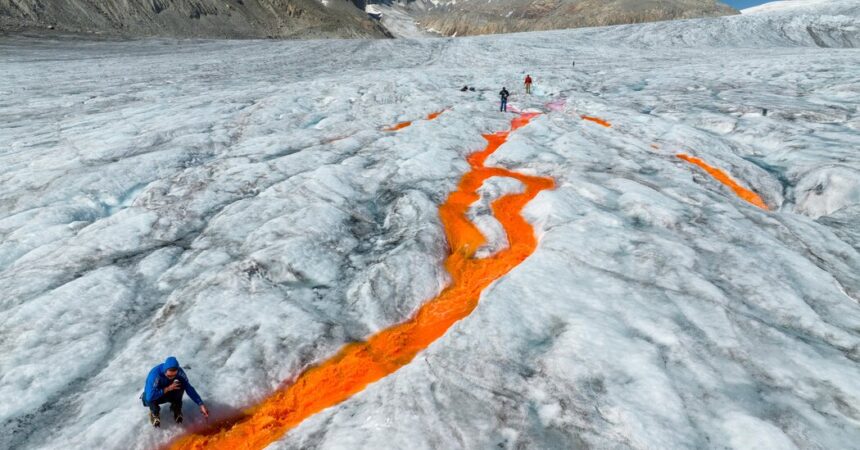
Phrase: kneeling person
x=166 y=383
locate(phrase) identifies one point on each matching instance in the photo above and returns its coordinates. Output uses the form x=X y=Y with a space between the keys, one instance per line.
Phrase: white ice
x=237 y=204
x=809 y=6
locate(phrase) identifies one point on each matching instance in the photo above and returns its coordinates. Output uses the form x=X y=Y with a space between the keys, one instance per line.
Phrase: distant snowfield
x=813 y=6
x=239 y=205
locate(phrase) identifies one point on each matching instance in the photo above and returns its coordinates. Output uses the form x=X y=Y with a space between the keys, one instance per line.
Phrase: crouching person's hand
x=204 y=411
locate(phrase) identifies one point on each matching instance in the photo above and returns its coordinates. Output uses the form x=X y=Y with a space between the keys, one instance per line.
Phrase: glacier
x=242 y=206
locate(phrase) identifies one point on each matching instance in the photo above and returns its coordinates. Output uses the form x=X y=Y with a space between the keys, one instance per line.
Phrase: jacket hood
x=170 y=363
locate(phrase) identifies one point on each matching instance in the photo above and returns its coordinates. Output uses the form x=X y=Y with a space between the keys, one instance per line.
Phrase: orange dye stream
x=434 y=115
x=597 y=120
x=724 y=178
x=403 y=125
x=399 y=126
x=359 y=364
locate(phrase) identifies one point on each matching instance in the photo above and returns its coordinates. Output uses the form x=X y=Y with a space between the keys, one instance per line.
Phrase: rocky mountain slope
x=470 y=17
x=192 y=18
x=333 y=18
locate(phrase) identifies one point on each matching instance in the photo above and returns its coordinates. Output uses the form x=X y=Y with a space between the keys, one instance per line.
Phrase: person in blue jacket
x=166 y=383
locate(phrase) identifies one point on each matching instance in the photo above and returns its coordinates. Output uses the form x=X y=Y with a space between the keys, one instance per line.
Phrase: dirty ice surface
x=239 y=205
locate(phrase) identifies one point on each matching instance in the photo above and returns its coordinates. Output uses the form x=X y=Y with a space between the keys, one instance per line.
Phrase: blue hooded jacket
x=156 y=381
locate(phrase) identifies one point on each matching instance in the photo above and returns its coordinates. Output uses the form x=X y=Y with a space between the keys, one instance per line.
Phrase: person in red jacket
x=528 y=84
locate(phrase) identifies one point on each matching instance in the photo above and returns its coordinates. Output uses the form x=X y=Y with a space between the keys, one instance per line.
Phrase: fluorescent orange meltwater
x=724 y=178
x=358 y=364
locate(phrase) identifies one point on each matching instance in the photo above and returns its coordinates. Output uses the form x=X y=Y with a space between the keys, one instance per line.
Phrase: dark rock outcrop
x=191 y=18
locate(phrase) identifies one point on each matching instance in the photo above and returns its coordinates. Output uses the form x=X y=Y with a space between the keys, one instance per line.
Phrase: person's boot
x=154 y=420
x=177 y=415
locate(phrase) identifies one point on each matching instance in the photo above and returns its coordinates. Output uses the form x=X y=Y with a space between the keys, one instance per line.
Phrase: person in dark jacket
x=528 y=84
x=504 y=96
x=166 y=383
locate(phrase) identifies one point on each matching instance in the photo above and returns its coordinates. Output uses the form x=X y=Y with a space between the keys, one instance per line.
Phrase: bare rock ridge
x=192 y=18
x=470 y=17
x=333 y=18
